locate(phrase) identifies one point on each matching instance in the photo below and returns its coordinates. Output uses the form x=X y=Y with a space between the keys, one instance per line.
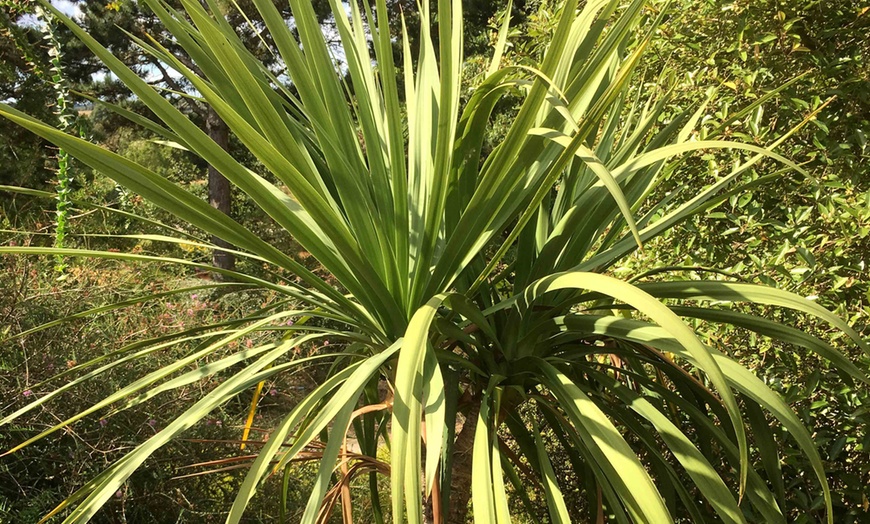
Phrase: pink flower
x=194 y=296
x=27 y=392
x=103 y=422
x=273 y=392
x=290 y=322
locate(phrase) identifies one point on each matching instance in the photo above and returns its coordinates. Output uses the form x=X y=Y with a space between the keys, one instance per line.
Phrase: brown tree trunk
x=460 y=480
x=219 y=195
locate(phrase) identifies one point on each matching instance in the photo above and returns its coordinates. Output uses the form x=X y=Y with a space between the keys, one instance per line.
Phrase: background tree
x=23 y=67
x=112 y=24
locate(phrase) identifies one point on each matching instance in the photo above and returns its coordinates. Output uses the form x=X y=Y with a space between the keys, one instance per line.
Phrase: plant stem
x=67 y=123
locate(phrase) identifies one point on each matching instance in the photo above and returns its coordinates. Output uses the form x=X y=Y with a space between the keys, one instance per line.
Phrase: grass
x=35 y=479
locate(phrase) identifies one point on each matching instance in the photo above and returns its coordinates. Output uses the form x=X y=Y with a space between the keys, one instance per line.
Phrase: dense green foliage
x=809 y=235
x=23 y=72
x=521 y=370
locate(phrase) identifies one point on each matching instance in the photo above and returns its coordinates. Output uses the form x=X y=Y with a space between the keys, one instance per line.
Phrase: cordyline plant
x=479 y=327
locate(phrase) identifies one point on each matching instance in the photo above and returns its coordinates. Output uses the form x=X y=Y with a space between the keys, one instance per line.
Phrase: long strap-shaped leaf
x=659 y=313
x=289 y=289
x=758 y=492
x=96 y=492
x=405 y=459
x=779 y=332
x=610 y=451
x=580 y=457
x=555 y=500
x=707 y=198
x=736 y=375
x=312 y=199
x=597 y=166
x=502 y=169
x=153 y=348
x=699 y=468
x=737 y=292
x=334 y=246
x=483 y=499
x=170 y=197
x=434 y=415
x=277 y=439
x=437 y=124
x=327 y=461
x=138 y=385
x=541 y=180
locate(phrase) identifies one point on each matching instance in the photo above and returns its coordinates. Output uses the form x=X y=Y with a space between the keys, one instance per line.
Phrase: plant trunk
x=219 y=195
x=460 y=479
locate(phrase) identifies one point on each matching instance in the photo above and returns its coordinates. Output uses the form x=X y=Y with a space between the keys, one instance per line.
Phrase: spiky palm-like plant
x=475 y=289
